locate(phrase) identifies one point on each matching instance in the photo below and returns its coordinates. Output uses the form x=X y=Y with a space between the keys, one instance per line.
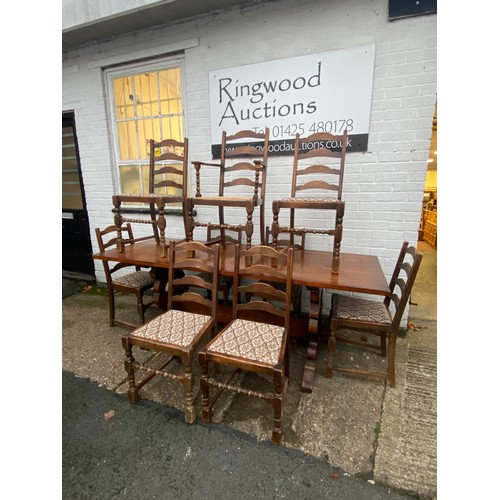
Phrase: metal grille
x=146 y=104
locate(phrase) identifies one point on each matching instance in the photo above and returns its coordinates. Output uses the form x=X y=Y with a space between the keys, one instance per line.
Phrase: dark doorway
x=76 y=244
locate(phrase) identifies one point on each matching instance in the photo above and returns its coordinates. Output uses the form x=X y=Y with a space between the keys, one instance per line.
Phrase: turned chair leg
x=188 y=383
x=278 y=408
x=132 y=393
x=206 y=410
x=140 y=307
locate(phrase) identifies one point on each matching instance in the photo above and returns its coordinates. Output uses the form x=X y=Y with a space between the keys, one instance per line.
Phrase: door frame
x=88 y=268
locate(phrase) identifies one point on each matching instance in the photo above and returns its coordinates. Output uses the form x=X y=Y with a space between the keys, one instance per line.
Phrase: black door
x=76 y=244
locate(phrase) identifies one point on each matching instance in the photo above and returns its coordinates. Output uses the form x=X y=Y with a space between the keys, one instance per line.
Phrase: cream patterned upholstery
x=251 y=340
x=137 y=279
x=313 y=199
x=362 y=310
x=173 y=327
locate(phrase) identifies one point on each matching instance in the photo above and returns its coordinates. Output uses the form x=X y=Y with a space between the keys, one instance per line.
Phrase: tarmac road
x=145 y=451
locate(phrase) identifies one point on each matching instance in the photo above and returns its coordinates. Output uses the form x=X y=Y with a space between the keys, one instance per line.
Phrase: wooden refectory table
x=311 y=268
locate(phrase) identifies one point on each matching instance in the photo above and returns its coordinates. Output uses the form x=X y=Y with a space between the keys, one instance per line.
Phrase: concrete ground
x=367 y=434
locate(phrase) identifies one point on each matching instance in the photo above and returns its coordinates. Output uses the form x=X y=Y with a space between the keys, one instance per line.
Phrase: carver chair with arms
x=136 y=282
x=177 y=333
x=372 y=317
x=167 y=185
x=317 y=186
x=256 y=339
x=242 y=172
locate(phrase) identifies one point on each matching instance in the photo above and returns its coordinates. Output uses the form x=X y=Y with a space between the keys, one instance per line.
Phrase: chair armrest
x=197 y=167
x=200 y=163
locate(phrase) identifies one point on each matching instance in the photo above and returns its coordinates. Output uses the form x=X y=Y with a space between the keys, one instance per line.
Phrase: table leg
x=312 y=350
x=160 y=275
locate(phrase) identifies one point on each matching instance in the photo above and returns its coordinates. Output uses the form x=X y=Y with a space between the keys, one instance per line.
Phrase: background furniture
x=429 y=219
x=136 y=282
x=256 y=339
x=323 y=184
x=380 y=319
x=180 y=330
x=167 y=184
x=242 y=184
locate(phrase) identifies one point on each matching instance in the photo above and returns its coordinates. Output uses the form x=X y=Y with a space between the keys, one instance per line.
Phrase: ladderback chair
x=177 y=333
x=316 y=185
x=242 y=173
x=168 y=160
x=379 y=318
x=136 y=282
x=256 y=339
x=297 y=245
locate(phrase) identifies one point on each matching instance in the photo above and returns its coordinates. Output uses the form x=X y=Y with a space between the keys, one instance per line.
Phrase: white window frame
x=131 y=70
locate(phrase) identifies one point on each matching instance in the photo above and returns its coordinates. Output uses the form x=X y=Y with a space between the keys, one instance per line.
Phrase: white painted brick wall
x=383 y=187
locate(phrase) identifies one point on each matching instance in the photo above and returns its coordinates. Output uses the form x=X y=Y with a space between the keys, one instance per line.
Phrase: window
x=146 y=102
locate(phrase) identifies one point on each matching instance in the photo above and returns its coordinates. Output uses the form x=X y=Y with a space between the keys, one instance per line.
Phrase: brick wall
x=383 y=187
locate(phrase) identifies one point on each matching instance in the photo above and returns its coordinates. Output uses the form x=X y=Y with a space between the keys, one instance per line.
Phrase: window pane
x=124 y=103
x=140 y=92
x=170 y=91
x=145 y=178
x=129 y=178
x=154 y=101
x=145 y=133
x=128 y=140
x=172 y=127
x=147 y=105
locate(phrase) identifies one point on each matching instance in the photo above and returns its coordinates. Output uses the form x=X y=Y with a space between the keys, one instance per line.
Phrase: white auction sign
x=325 y=92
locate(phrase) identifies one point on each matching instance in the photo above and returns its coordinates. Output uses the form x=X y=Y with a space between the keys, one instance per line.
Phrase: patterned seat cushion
x=362 y=310
x=137 y=279
x=151 y=196
x=312 y=199
x=250 y=340
x=173 y=327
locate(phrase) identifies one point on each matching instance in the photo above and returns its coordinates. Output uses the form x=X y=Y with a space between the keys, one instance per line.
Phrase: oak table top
x=312 y=268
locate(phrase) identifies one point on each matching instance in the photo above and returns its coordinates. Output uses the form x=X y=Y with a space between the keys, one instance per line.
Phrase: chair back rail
x=320 y=188
x=302 y=169
x=258 y=272
x=380 y=319
x=168 y=161
x=402 y=280
x=242 y=184
x=186 y=291
x=104 y=243
x=180 y=331
x=136 y=281
x=257 y=338
x=176 y=151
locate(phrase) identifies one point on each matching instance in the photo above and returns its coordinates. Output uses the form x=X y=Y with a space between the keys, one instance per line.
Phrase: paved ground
x=116 y=450
x=350 y=437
